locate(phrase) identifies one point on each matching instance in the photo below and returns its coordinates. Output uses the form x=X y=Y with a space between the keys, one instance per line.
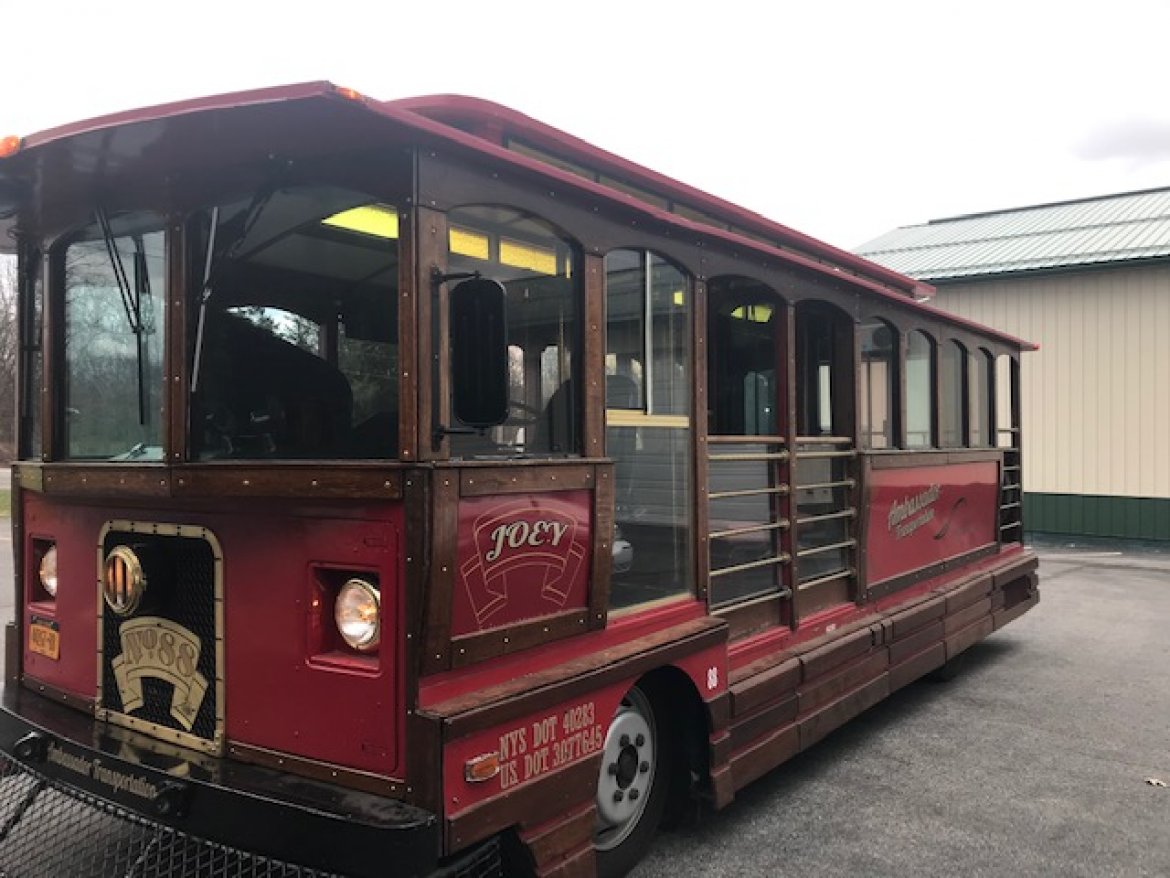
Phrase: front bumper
x=80 y=799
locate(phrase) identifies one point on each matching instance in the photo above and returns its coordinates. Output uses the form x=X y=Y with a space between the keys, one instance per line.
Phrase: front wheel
x=632 y=786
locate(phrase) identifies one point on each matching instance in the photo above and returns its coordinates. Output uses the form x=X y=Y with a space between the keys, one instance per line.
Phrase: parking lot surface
x=1033 y=761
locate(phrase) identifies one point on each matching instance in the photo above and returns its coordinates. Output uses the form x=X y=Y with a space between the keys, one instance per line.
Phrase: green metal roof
x=1091 y=231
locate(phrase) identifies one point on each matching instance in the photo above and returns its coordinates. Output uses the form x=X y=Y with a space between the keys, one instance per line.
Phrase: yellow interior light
x=9 y=146
x=465 y=242
x=679 y=298
x=754 y=313
x=528 y=256
x=378 y=220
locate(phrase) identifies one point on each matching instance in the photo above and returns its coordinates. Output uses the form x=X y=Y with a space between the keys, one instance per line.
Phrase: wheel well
x=674 y=695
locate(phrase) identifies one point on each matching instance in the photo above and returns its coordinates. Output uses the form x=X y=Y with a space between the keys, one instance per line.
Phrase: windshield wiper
x=204 y=296
x=255 y=208
x=131 y=298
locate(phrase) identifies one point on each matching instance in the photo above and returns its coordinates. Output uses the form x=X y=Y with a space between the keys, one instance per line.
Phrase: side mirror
x=479 y=352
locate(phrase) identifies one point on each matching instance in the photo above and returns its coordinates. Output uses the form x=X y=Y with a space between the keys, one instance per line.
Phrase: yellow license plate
x=44 y=639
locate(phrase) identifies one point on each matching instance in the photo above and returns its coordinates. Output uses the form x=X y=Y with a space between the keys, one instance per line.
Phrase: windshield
x=296 y=349
x=114 y=332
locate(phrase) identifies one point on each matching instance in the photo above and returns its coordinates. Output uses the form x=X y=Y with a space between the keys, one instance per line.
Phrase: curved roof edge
x=496 y=120
x=438 y=121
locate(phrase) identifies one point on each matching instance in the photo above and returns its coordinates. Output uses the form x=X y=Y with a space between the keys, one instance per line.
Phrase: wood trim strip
x=554 y=839
x=930 y=457
x=548 y=687
x=327 y=772
x=527 y=478
x=839 y=712
x=314 y=481
x=593 y=420
x=410 y=331
x=444 y=551
x=897 y=583
x=762 y=757
x=471 y=648
x=913 y=668
x=774 y=716
x=601 y=572
x=87 y=705
x=180 y=265
x=749 y=694
x=700 y=548
x=434 y=399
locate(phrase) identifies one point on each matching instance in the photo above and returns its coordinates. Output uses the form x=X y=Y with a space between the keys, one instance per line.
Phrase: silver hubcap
x=627 y=771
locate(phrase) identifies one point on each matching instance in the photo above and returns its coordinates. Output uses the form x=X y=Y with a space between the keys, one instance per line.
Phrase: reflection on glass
x=536 y=266
x=919 y=396
x=979 y=380
x=648 y=366
x=114 y=343
x=877 y=374
x=298 y=354
x=951 y=363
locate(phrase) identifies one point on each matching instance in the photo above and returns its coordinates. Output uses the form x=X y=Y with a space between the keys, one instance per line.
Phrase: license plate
x=44 y=639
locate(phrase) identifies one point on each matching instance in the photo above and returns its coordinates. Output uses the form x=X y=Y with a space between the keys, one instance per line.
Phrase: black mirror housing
x=479 y=352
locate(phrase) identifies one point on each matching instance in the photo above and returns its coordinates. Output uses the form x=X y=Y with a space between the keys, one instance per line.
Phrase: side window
x=981 y=378
x=742 y=387
x=919 y=390
x=648 y=425
x=539 y=269
x=878 y=377
x=824 y=370
x=953 y=381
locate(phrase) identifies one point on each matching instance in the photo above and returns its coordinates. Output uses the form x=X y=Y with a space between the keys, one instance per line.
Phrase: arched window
x=878 y=377
x=953 y=384
x=980 y=380
x=919 y=390
x=648 y=425
x=537 y=267
x=1006 y=408
x=824 y=370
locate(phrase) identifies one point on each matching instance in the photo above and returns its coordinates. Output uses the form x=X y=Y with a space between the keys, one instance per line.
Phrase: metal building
x=1088 y=280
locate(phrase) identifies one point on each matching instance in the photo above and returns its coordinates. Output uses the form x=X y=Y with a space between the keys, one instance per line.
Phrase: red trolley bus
x=411 y=487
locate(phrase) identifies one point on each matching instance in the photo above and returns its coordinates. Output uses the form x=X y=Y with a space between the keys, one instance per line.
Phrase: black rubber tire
x=619 y=860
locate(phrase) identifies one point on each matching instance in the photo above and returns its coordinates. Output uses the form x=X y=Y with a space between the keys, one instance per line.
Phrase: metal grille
x=180 y=575
x=50 y=831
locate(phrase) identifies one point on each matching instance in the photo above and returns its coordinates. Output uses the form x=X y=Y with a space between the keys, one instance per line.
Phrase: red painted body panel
x=531 y=747
x=919 y=516
x=274 y=561
x=520 y=558
x=75 y=609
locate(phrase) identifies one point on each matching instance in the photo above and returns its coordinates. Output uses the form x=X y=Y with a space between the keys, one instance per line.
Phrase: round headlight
x=358 y=615
x=123 y=581
x=48 y=571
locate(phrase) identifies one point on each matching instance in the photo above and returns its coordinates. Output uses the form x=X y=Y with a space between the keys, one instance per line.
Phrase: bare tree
x=8 y=356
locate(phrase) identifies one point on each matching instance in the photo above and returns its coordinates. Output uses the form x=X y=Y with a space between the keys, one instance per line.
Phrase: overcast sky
x=842 y=120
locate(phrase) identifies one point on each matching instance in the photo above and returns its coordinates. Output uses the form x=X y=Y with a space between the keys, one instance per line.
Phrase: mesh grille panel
x=180 y=587
x=48 y=832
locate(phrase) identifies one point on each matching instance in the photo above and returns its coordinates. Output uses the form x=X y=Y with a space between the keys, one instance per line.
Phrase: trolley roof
x=79 y=157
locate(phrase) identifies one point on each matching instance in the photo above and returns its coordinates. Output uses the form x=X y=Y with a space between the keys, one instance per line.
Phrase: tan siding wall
x=1097 y=393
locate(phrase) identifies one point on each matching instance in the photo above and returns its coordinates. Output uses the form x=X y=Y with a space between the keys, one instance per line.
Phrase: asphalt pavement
x=1034 y=761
